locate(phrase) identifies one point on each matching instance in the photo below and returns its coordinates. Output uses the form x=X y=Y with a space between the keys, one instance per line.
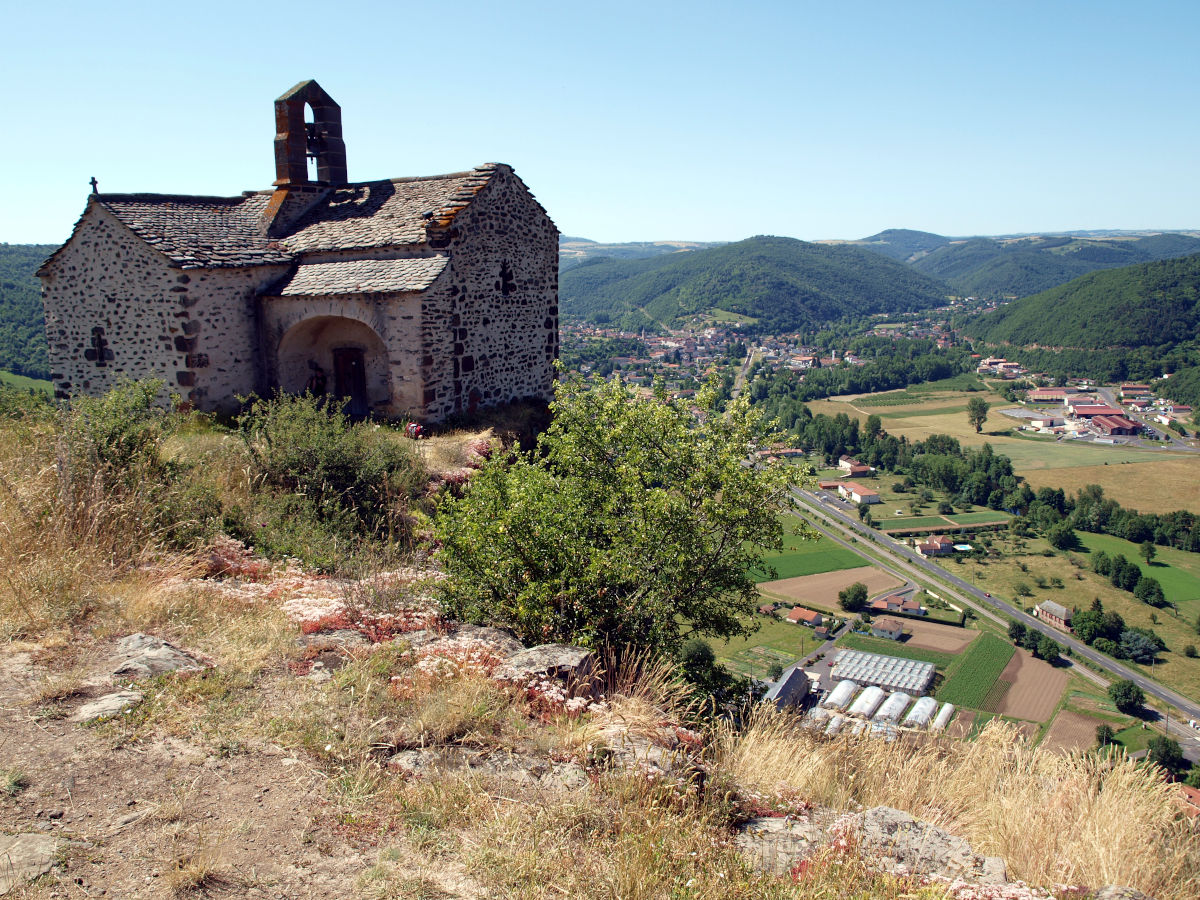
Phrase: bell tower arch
x=321 y=139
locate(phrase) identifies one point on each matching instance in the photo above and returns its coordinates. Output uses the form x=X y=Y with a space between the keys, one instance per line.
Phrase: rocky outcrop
x=106 y=707
x=144 y=656
x=890 y=840
x=514 y=767
x=559 y=661
x=24 y=857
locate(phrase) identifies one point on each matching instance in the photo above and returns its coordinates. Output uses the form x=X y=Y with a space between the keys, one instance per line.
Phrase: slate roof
x=358 y=276
x=220 y=232
x=1055 y=609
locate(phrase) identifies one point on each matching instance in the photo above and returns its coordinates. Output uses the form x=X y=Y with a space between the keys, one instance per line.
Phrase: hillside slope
x=995 y=268
x=904 y=244
x=1151 y=304
x=573 y=251
x=781 y=283
x=22 y=328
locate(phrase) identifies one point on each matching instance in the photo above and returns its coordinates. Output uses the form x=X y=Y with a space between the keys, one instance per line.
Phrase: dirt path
x=144 y=819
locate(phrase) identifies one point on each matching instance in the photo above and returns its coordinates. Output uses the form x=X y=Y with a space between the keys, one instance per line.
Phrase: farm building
x=1054 y=613
x=856 y=493
x=889 y=628
x=1135 y=391
x=801 y=616
x=1091 y=410
x=1047 y=422
x=889 y=672
x=792 y=688
x=1115 y=425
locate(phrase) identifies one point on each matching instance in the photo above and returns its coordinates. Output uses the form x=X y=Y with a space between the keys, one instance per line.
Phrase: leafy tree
x=1167 y=753
x=1138 y=647
x=1148 y=551
x=1016 y=632
x=1062 y=536
x=775 y=671
x=1149 y=591
x=1048 y=648
x=1101 y=564
x=977 y=410
x=1105 y=735
x=1127 y=696
x=853 y=598
x=1190 y=651
x=631 y=525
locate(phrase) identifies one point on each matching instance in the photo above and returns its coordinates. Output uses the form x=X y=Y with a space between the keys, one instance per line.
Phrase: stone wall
x=116 y=310
x=490 y=321
x=300 y=330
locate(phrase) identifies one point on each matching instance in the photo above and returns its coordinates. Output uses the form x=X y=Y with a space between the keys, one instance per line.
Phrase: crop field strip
x=977 y=671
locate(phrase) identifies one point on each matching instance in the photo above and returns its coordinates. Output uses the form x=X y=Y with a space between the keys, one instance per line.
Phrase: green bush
x=330 y=482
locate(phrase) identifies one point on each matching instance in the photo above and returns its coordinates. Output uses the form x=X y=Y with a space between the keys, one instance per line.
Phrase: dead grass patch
x=1055 y=819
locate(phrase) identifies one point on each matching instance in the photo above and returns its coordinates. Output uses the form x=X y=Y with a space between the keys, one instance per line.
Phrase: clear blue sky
x=632 y=121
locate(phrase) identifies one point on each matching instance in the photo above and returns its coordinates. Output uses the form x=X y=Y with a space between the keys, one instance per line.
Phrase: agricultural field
x=972 y=679
x=809 y=557
x=1176 y=570
x=820 y=591
x=1028 y=688
x=941 y=638
x=25 y=384
x=1150 y=480
x=775 y=641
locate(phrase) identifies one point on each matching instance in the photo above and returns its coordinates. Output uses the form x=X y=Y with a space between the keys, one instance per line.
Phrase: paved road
x=1182 y=707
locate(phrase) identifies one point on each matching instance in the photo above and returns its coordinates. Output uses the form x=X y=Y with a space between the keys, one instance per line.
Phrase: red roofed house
x=1190 y=799
x=853 y=467
x=895 y=603
x=856 y=493
x=1054 y=613
x=883 y=627
x=938 y=545
x=801 y=616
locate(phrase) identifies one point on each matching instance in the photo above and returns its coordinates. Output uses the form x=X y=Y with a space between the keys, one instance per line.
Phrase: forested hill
x=985 y=267
x=904 y=244
x=777 y=284
x=22 y=328
x=1152 y=304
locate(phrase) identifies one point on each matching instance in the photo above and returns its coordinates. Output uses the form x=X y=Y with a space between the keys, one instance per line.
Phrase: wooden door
x=350 y=380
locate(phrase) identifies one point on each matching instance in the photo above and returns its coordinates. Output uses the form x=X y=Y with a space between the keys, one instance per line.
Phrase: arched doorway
x=343 y=355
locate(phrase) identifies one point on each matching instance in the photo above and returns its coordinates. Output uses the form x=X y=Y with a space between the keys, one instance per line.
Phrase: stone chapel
x=413 y=297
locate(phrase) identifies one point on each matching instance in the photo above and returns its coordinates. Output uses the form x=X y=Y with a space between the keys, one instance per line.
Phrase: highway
x=907 y=558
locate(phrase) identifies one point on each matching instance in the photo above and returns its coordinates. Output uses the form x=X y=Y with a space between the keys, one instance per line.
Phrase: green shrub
x=329 y=482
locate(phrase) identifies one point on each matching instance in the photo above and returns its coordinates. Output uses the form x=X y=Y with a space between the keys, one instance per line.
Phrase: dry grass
x=1159 y=486
x=13 y=780
x=1055 y=819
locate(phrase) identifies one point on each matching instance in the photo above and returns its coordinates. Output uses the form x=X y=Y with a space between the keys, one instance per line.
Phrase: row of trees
x=1108 y=633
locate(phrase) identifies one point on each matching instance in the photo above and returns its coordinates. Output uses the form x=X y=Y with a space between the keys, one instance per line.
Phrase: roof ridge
x=145 y=197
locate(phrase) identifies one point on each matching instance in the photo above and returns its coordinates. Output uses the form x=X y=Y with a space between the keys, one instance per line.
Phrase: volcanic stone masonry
x=411 y=297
